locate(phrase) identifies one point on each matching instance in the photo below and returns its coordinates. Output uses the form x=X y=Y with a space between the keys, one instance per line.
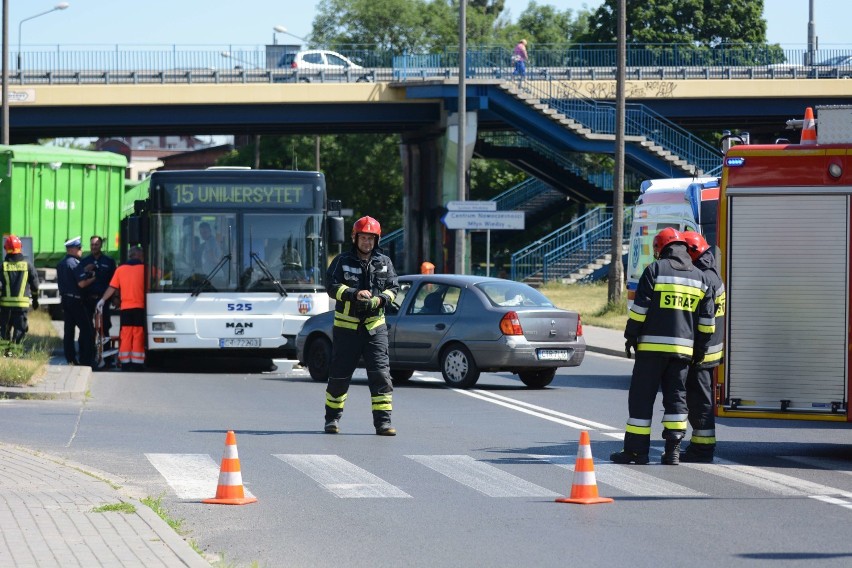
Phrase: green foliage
x=362 y=170
x=126 y=508
x=697 y=22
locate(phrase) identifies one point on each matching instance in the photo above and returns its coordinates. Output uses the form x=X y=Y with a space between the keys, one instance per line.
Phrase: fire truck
x=785 y=232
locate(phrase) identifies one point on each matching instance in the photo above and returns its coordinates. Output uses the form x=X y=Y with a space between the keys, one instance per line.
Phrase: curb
x=606 y=351
x=59 y=382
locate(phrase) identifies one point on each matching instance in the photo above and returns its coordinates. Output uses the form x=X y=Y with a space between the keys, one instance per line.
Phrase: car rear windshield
x=510 y=293
x=287 y=60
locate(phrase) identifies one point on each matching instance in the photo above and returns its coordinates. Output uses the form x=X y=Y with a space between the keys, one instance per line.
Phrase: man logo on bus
x=305 y=304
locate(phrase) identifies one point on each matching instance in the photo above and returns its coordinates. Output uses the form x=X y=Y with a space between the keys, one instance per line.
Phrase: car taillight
x=579 y=326
x=511 y=325
x=293 y=65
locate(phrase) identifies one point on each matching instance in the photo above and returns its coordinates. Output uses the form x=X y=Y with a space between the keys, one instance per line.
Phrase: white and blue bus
x=235 y=259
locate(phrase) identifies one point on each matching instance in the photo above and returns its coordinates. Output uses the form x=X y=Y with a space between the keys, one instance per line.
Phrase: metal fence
x=228 y=63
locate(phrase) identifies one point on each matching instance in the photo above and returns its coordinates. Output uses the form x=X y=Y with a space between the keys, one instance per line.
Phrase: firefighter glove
x=629 y=344
x=100 y=307
x=35 y=303
x=375 y=302
x=698 y=356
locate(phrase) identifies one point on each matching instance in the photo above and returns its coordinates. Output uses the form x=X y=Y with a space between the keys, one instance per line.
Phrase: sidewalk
x=47 y=504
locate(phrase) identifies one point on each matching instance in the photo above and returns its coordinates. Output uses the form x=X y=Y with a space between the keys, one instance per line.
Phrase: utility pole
x=460 y=262
x=616 y=268
x=5 y=92
x=812 y=38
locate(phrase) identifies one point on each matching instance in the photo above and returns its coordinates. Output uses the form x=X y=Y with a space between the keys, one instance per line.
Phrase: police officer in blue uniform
x=103 y=268
x=72 y=281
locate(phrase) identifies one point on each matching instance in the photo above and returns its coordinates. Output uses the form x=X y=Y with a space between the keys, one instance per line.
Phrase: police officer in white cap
x=71 y=281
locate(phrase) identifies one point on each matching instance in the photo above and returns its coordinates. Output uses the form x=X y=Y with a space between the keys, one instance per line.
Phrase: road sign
x=484 y=220
x=471 y=206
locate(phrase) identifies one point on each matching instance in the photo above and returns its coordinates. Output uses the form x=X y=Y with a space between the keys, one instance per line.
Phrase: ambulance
x=687 y=204
x=785 y=228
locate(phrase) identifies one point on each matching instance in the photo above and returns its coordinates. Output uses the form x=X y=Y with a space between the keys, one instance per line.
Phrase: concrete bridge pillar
x=430 y=180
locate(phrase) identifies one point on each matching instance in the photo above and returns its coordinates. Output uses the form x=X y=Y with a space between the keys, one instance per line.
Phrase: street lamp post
x=60 y=6
x=283 y=30
x=229 y=55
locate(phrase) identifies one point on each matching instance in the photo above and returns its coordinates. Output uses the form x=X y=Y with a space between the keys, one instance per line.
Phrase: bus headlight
x=163 y=326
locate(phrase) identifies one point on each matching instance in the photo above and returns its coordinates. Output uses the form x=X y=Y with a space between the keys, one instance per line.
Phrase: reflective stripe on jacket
x=19 y=278
x=347 y=275
x=672 y=312
x=716 y=351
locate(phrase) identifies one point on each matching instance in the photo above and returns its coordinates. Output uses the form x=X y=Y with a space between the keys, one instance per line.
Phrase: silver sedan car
x=461 y=326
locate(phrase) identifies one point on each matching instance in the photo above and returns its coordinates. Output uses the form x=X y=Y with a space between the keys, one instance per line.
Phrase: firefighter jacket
x=19 y=280
x=716 y=350
x=672 y=313
x=347 y=275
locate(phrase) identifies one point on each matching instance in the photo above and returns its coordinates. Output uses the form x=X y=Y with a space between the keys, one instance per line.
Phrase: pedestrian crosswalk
x=194 y=477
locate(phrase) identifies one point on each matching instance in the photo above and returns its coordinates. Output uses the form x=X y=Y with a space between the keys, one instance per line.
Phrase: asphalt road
x=469 y=481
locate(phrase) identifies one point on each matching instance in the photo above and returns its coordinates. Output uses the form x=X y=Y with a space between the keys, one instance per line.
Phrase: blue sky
x=219 y=23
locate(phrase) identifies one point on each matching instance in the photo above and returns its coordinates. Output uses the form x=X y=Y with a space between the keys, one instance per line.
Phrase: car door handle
x=440 y=326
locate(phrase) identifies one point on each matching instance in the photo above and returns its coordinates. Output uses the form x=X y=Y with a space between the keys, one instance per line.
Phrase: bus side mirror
x=335 y=230
x=134 y=229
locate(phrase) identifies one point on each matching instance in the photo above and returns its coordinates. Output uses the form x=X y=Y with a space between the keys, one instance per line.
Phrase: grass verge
x=41 y=341
x=591 y=300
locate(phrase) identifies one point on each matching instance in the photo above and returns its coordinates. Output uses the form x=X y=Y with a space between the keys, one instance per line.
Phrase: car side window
x=312 y=58
x=335 y=60
x=435 y=299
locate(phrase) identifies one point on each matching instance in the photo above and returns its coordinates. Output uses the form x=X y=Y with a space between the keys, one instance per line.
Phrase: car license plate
x=240 y=342
x=552 y=354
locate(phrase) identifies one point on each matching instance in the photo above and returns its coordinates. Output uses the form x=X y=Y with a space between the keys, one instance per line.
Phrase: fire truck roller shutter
x=787 y=293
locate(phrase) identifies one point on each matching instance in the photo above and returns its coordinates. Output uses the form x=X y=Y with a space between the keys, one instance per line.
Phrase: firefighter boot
x=671 y=456
x=635 y=449
x=694 y=453
x=332 y=426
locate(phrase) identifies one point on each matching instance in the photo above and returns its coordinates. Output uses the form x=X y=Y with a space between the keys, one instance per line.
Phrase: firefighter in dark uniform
x=103 y=267
x=362 y=282
x=699 y=382
x=18 y=284
x=669 y=326
x=72 y=281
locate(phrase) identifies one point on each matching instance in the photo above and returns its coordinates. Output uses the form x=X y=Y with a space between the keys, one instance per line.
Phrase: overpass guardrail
x=191 y=64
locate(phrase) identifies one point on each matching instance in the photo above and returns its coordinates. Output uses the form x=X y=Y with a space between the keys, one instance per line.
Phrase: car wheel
x=318 y=358
x=458 y=367
x=400 y=376
x=537 y=379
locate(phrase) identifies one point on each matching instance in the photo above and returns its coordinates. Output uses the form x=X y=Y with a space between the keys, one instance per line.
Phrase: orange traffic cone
x=230 y=488
x=808 y=128
x=584 y=489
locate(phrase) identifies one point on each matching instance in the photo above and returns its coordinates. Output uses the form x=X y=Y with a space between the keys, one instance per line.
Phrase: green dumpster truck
x=49 y=194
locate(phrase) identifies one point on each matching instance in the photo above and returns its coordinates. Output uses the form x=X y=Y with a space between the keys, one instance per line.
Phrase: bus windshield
x=188 y=246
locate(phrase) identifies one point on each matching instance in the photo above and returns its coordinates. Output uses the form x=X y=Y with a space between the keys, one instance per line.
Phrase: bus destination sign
x=212 y=195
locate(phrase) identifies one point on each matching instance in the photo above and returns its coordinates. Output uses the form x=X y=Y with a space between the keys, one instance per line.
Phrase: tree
x=362 y=170
x=699 y=22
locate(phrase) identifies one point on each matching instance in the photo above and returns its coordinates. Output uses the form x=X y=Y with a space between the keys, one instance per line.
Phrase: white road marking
x=627 y=479
x=192 y=476
x=482 y=477
x=544 y=410
x=570 y=424
x=768 y=480
x=341 y=477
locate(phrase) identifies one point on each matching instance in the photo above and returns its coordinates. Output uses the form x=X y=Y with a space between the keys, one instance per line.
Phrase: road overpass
x=420 y=110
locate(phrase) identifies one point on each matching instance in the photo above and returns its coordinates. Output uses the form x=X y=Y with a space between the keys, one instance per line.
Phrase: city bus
x=235 y=259
x=686 y=204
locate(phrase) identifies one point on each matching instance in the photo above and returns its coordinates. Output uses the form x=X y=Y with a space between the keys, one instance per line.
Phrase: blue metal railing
x=521 y=193
x=583 y=249
x=597 y=176
x=582 y=61
x=530 y=259
x=640 y=120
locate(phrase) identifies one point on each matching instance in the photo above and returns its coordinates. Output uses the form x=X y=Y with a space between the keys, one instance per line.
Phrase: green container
x=52 y=194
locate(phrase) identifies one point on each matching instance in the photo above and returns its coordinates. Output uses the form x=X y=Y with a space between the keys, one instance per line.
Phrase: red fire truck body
x=785 y=235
